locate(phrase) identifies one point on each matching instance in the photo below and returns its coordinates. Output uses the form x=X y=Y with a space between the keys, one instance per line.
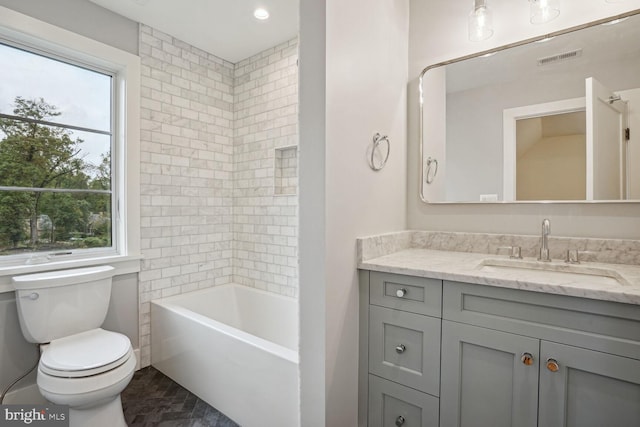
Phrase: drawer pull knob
x=527 y=359
x=552 y=365
x=400 y=349
x=400 y=293
x=399 y=421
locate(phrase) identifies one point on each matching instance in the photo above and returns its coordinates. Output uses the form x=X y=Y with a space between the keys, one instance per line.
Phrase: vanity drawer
x=405 y=348
x=413 y=294
x=605 y=326
x=391 y=404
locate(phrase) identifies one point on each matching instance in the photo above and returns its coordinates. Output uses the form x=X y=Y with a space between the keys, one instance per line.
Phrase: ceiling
x=225 y=28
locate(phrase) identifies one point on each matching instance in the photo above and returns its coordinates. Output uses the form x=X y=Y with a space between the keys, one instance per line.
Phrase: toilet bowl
x=87 y=372
x=81 y=365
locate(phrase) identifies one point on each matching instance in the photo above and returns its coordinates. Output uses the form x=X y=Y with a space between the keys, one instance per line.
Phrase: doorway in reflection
x=551 y=157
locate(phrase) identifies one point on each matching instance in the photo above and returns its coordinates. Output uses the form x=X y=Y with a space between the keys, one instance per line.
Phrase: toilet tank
x=60 y=303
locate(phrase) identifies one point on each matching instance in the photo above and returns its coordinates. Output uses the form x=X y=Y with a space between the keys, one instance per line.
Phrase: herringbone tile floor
x=153 y=399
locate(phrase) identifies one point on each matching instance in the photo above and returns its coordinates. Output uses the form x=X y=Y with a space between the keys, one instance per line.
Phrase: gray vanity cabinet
x=449 y=354
x=399 y=368
x=489 y=378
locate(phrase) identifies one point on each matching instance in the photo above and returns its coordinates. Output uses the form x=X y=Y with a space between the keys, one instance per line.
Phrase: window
x=69 y=149
x=55 y=155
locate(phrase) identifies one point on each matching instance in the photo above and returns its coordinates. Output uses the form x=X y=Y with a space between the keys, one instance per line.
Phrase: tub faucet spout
x=544 y=246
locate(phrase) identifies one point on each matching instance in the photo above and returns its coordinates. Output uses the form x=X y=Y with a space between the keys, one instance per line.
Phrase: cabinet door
x=588 y=388
x=485 y=382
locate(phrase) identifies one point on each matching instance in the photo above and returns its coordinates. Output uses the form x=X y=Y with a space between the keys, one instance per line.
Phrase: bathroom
x=355 y=61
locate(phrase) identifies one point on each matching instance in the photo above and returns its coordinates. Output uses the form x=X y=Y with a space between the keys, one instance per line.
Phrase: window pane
x=81 y=97
x=53 y=221
x=33 y=155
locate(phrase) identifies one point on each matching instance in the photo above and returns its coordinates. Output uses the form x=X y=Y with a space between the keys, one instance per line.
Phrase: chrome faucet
x=544 y=246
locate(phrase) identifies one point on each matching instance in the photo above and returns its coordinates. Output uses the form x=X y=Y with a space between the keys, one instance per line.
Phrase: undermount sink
x=554 y=271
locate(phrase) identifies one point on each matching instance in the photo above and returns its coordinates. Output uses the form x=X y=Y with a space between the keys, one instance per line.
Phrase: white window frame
x=17 y=28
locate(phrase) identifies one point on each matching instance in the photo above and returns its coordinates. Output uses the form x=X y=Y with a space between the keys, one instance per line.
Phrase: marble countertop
x=594 y=280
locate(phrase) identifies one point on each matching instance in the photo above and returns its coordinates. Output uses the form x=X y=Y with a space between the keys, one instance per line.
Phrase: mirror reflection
x=550 y=120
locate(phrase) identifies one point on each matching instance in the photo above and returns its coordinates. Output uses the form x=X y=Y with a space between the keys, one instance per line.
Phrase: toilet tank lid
x=62 y=277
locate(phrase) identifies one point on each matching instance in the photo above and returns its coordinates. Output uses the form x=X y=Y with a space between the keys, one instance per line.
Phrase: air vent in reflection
x=560 y=57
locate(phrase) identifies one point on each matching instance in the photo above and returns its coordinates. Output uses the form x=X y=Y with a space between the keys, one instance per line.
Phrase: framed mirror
x=554 y=118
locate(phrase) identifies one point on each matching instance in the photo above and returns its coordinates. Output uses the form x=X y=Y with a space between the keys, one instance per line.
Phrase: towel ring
x=377 y=140
x=431 y=176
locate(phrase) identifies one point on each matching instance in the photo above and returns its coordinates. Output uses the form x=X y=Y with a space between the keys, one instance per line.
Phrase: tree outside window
x=51 y=197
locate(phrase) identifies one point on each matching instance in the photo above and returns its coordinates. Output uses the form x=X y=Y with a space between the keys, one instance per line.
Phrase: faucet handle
x=573 y=256
x=515 y=251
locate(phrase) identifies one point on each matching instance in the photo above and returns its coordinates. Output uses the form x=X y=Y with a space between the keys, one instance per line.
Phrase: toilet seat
x=85 y=354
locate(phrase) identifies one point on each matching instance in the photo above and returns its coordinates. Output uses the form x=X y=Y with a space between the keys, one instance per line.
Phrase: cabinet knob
x=401 y=292
x=552 y=365
x=527 y=359
x=400 y=349
x=399 y=421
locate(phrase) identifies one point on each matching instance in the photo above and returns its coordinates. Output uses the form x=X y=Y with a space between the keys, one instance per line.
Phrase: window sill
x=123 y=265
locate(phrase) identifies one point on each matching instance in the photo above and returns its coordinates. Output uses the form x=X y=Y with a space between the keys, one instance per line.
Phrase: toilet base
x=108 y=414
x=93 y=401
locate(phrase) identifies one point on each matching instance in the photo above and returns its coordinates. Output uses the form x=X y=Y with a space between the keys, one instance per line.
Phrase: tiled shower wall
x=185 y=171
x=265 y=230
x=208 y=211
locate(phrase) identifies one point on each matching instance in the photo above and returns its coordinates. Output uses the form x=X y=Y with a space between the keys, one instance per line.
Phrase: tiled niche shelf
x=286 y=171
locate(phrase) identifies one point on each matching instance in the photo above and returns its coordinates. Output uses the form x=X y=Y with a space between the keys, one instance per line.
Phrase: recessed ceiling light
x=261 y=14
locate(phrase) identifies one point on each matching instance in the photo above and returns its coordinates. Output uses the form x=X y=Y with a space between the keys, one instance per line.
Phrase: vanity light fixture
x=480 y=21
x=481 y=17
x=261 y=14
x=543 y=11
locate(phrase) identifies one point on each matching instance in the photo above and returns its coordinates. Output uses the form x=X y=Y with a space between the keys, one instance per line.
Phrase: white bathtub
x=234 y=347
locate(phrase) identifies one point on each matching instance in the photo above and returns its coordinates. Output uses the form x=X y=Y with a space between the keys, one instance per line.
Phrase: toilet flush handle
x=32 y=296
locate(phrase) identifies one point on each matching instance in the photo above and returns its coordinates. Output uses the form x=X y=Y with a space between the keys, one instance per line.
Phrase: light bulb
x=261 y=14
x=480 y=22
x=543 y=11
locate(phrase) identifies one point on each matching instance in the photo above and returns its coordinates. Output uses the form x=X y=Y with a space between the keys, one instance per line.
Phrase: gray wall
x=16 y=355
x=82 y=17
x=341 y=198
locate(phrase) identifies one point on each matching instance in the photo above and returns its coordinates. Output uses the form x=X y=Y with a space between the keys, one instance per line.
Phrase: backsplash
x=613 y=251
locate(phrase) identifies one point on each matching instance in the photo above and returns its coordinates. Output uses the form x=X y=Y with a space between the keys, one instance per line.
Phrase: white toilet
x=81 y=365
